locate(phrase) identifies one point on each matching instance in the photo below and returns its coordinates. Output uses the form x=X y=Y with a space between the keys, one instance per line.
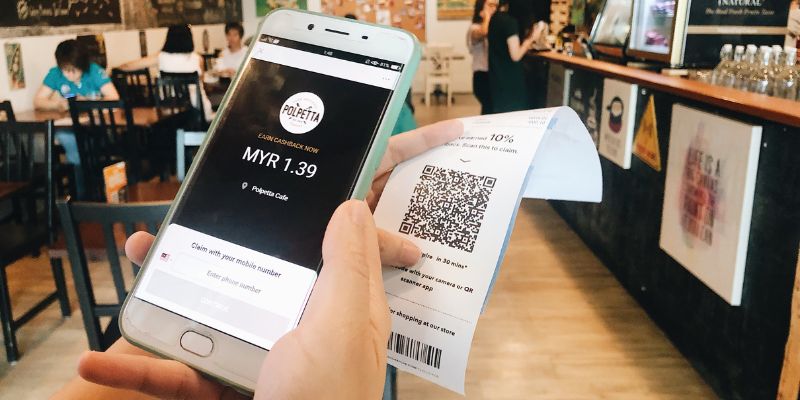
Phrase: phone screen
x=243 y=249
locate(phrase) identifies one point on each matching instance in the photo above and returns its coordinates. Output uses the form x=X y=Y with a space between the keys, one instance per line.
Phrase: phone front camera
x=310 y=26
x=365 y=37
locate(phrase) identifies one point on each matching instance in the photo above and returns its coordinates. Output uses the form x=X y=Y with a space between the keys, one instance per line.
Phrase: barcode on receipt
x=415 y=349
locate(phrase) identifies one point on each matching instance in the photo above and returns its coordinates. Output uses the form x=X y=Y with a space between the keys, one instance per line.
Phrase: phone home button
x=196 y=343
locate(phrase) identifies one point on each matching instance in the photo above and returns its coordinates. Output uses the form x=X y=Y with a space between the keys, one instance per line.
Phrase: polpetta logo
x=302 y=112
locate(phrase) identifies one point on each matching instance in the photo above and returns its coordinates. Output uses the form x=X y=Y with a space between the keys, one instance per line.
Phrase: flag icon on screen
x=164 y=256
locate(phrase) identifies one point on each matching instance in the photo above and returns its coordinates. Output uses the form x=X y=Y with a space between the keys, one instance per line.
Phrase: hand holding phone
x=126 y=367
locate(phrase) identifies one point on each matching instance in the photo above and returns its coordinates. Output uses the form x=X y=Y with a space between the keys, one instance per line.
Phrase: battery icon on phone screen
x=395 y=67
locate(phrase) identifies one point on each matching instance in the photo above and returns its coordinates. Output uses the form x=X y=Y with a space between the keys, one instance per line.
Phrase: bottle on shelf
x=728 y=78
x=760 y=77
x=746 y=68
x=788 y=78
x=725 y=64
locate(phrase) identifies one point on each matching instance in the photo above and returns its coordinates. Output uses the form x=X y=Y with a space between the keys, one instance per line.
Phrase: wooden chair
x=88 y=222
x=23 y=165
x=135 y=87
x=184 y=139
x=180 y=91
x=105 y=134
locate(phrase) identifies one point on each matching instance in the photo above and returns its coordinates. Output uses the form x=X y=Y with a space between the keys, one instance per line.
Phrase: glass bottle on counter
x=725 y=64
x=760 y=78
x=746 y=68
x=787 y=79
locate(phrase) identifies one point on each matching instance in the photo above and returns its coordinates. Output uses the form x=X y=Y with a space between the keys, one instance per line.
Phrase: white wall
x=38 y=55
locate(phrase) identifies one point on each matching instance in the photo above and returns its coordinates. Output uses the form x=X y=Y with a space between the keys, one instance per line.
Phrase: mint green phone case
x=360 y=188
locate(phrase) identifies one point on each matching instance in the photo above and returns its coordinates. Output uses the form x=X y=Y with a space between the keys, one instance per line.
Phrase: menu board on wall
x=406 y=14
x=708 y=197
x=58 y=12
x=170 y=12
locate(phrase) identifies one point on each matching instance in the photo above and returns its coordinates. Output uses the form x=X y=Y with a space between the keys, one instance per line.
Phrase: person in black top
x=506 y=76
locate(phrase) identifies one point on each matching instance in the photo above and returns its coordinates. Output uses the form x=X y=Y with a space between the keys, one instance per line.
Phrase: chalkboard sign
x=197 y=12
x=58 y=12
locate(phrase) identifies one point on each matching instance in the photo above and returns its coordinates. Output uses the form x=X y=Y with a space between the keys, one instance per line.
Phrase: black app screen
x=268 y=189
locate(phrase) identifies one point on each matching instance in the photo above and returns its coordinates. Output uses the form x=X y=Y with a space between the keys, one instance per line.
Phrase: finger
x=375 y=193
x=396 y=250
x=410 y=144
x=164 y=379
x=349 y=251
x=137 y=246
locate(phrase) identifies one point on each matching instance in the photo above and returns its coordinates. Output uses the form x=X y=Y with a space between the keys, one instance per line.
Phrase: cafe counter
x=700 y=218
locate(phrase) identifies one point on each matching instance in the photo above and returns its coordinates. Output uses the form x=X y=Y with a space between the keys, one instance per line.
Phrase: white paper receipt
x=457 y=203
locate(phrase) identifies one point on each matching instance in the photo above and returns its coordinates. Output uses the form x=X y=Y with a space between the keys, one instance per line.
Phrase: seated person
x=177 y=55
x=74 y=76
x=232 y=56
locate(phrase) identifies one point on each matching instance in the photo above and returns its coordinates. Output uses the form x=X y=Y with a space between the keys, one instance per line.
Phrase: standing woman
x=479 y=48
x=506 y=76
x=177 y=55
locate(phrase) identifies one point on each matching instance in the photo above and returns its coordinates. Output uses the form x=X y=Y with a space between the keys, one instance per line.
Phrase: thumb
x=351 y=259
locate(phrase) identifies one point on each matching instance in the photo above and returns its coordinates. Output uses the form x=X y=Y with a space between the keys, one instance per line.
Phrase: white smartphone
x=302 y=129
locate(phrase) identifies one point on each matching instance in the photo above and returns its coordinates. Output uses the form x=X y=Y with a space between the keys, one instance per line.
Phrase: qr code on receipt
x=447 y=207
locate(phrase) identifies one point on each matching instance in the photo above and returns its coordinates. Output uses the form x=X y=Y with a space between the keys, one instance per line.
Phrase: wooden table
x=9 y=189
x=142 y=116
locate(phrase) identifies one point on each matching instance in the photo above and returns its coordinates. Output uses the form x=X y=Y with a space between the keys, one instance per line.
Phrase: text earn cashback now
x=243 y=248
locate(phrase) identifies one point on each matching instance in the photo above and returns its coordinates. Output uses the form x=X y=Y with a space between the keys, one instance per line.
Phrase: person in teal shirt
x=74 y=76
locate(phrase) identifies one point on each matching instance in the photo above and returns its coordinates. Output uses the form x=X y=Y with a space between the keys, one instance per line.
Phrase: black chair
x=6 y=111
x=103 y=139
x=34 y=227
x=179 y=91
x=135 y=87
x=77 y=219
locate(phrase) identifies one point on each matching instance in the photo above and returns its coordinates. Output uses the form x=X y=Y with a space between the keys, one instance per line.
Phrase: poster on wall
x=454 y=9
x=708 y=197
x=617 y=120
x=96 y=45
x=406 y=14
x=645 y=144
x=585 y=95
x=16 y=73
x=264 y=7
x=58 y=13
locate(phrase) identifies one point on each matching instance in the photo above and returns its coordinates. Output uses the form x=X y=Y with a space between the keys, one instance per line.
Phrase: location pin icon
x=244 y=185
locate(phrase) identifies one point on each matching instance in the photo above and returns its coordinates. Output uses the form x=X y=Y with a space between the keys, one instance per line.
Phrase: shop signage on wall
x=58 y=13
x=708 y=197
x=645 y=144
x=616 y=122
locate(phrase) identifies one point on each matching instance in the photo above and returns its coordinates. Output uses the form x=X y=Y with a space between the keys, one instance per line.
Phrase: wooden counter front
x=782 y=111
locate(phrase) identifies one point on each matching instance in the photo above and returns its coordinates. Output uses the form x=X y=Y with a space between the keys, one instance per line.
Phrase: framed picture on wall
x=617 y=120
x=454 y=9
x=263 y=7
x=708 y=197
